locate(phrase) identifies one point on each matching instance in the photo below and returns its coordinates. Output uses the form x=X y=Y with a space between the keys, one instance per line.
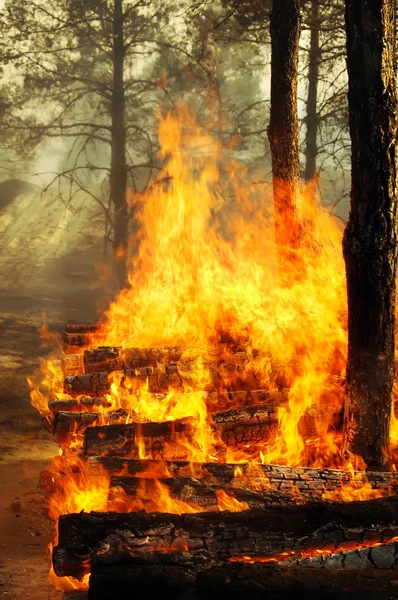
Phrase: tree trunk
x=370 y=239
x=118 y=174
x=283 y=130
x=311 y=120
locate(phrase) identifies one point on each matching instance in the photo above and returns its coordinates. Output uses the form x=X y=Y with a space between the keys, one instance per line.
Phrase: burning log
x=108 y=358
x=159 y=440
x=253 y=533
x=98 y=384
x=226 y=375
x=193 y=491
x=303 y=483
x=178 y=575
x=235 y=427
x=67 y=424
x=84 y=403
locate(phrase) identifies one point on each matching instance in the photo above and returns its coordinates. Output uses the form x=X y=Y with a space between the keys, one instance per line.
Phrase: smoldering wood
x=194 y=491
x=263 y=532
x=304 y=484
x=180 y=575
x=158 y=440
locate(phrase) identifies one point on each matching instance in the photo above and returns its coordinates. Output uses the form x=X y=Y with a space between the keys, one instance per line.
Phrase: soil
x=26 y=449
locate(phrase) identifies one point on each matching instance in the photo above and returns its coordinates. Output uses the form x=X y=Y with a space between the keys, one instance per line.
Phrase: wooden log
x=84 y=403
x=180 y=375
x=179 y=575
x=303 y=484
x=68 y=424
x=265 y=533
x=157 y=440
x=239 y=428
x=159 y=379
x=208 y=496
x=109 y=358
x=235 y=427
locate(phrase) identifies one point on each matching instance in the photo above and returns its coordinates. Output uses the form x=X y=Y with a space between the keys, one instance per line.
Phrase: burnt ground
x=26 y=448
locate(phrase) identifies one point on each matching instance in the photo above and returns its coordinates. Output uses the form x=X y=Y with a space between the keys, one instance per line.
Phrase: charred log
x=253 y=533
x=68 y=424
x=302 y=483
x=108 y=358
x=194 y=491
x=179 y=575
x=237 y=428
x=84 y=403
x=159 y=440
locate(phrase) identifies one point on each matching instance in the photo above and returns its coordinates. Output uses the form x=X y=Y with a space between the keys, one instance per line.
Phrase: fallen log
x=179 y=575
x=235 y=427
x=158 y=440
x=253 y=533
x=148 y=492
x=84 y=403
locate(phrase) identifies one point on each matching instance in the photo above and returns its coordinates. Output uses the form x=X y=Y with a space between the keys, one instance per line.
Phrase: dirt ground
x=25 y=447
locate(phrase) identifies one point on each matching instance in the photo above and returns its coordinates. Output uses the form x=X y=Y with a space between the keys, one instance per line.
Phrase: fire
x=206 y=279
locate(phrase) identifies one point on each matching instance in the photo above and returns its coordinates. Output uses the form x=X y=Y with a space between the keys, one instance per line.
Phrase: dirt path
x=26 y=448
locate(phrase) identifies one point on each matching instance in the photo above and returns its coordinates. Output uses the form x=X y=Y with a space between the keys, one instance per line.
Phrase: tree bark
x=257 y=533
x=283 y=130
x=370 y=239
x=118 y=173
x=311 y=119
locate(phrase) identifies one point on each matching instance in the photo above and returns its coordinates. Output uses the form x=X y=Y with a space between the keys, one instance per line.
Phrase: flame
x=206 y=278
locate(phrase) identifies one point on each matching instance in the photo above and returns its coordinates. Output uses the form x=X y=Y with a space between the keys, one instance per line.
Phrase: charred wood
x=302 y=483
x=180 y=575
x=68 y=424
x=84 y=403
x=158 y=440
x=194 y=491
x=253 y=533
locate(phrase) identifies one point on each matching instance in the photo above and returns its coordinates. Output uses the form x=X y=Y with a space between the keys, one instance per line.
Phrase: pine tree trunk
x=283 y=130
x=118 y=175
x=311 y=120
x=370 y=240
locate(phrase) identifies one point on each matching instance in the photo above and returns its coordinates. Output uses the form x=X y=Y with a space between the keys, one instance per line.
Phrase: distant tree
x=283 y=131
x=85 y=75
x=370 y=239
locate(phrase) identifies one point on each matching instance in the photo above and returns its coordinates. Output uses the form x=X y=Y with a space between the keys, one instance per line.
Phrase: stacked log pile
x=287 y=538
